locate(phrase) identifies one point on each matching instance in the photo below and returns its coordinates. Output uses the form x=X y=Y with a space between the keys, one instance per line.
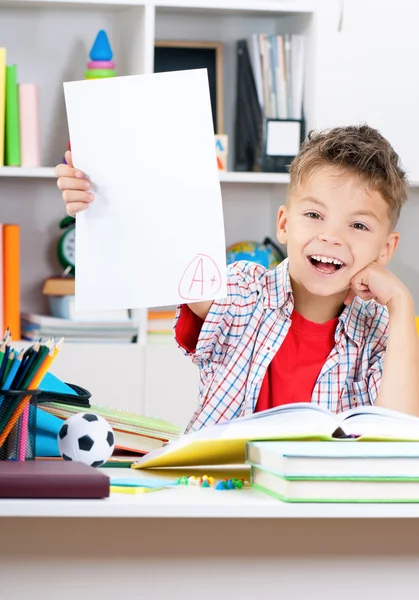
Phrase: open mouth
x=326 y=264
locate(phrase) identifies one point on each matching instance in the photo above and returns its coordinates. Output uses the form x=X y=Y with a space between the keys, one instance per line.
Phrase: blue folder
x=47 y=425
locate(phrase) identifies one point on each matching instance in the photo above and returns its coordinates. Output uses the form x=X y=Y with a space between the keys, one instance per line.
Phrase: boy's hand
x=74 y=186
x=376 y=282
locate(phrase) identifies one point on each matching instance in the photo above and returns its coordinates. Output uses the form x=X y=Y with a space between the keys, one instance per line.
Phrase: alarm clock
x=66 y=250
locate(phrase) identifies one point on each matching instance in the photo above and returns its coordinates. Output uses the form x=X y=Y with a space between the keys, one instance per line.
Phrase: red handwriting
x=201 y=279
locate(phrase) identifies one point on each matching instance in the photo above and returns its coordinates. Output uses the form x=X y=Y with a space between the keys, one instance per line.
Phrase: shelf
x=225 y=176
x=241 y=177
x=37 y=172
x=285 y=7
x=110 y=4
x=237 y=6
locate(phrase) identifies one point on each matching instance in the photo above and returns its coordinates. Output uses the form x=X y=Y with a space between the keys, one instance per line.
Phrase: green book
x=122 y=420
x=336 y=490
x=12 y=128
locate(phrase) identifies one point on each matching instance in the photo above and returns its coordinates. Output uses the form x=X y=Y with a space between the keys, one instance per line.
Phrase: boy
x=330 y=324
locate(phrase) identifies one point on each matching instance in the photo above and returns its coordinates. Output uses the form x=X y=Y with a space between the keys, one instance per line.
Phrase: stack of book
x=133 y=432
x=160 y=325
x=278 y=70
x=343 y=471
x=36 y=326
x=20 y=140
x=366 y=454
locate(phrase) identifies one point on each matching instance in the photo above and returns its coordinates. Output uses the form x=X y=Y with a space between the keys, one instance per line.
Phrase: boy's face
x=334 y=228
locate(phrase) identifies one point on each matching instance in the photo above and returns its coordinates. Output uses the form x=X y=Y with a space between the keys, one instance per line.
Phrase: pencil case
x=80 y=397
x=18 y=424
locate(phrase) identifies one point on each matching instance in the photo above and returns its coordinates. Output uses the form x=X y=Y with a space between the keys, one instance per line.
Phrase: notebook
x=322 y=460
x=133 y=432
x=225 y=443
x=335 y=490
x=52 y=479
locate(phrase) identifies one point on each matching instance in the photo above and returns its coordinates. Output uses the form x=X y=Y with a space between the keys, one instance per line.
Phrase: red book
x=52 y=479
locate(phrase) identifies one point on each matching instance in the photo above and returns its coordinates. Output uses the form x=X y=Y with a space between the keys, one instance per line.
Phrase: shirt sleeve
x=188 y=328
x=378 y=346
x=375 y=374
x=227 y=318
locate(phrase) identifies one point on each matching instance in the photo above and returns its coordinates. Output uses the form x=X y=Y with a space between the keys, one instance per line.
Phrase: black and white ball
x=87 y=438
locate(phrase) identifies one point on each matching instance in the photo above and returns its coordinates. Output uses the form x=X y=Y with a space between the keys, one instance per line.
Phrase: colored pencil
x=32 y=386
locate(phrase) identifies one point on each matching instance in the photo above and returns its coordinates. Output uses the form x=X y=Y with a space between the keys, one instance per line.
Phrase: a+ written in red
x=201 y=278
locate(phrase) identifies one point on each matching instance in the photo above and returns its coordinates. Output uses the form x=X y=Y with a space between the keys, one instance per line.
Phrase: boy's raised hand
x=74 y=186
x=376 y=282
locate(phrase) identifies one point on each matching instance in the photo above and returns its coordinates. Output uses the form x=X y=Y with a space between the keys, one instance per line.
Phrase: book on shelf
x=36 y=326
x=160 y=326
x=278 y=64
x=10 y=279
x=225 y=442
x=133 y=432
x=20 y=138
x=270 y=86
x=2 y=102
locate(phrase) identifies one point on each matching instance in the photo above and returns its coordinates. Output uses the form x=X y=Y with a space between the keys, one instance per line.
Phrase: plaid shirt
x=243 y=332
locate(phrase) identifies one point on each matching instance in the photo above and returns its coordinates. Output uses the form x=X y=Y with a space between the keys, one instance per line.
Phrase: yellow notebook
x=2 y=101
x=225 y=443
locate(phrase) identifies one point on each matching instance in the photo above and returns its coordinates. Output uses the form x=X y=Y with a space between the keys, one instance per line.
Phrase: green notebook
x=12 y=128
x=122 y=420
x=336 y=490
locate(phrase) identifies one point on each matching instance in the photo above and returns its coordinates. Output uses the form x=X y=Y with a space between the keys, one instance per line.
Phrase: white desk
x=191 y=542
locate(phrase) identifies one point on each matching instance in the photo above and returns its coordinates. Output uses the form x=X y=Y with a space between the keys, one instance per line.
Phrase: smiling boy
x=329 y=325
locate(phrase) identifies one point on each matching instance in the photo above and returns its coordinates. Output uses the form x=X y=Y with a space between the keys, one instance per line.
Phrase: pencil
x=32 y=386
x=36 y=362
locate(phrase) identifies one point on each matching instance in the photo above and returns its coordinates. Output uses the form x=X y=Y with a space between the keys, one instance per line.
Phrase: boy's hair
x=360 y=150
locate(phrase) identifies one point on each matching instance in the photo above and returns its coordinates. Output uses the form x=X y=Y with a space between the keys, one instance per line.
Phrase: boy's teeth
x=325 y=259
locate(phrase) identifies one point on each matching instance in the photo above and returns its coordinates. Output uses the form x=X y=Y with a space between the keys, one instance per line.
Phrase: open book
x=225 y=443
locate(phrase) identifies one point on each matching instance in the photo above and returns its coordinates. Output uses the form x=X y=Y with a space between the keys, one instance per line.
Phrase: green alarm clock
x=66 y=249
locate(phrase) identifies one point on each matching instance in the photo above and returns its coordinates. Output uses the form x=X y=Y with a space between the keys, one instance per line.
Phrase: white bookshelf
x=50 y=41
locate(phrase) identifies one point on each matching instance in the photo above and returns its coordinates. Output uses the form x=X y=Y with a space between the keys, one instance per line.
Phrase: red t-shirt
x=294 y=369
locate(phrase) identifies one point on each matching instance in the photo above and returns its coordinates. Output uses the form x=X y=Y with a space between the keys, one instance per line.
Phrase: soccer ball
x=87 y=438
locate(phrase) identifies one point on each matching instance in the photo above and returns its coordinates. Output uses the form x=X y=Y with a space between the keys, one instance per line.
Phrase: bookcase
x=50 y=41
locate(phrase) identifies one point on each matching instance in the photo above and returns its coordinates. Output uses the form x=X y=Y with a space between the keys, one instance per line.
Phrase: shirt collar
x=278 y=295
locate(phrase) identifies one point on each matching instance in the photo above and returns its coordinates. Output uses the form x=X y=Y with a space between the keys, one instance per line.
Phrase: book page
x=154 y=236
x=224 y=443
x=376 y=422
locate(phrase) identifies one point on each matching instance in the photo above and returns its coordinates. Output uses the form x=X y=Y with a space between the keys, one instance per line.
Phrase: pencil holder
x=17 y=426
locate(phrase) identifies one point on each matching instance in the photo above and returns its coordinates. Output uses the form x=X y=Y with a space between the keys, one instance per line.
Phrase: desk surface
x=196 y=502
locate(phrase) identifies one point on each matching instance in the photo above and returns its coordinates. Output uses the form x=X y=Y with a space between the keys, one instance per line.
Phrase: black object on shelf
x=261 y=143
x=281 y=142
x=248 y=123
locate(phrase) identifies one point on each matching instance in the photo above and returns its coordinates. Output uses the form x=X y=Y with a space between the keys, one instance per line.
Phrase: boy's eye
x=360 y=226
x=313 y=215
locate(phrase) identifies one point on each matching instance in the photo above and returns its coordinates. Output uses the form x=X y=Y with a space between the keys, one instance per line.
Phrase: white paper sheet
x=154 y=236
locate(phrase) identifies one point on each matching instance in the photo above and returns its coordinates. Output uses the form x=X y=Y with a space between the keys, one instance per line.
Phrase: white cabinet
x=366 y=71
